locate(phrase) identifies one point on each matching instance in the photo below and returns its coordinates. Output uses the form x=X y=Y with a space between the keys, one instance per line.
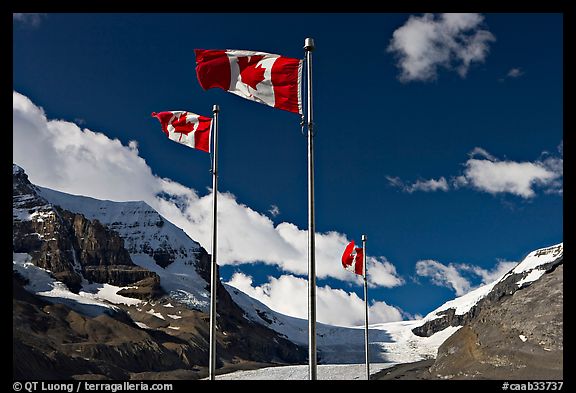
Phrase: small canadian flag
x=266 y=78
x=353 y=258
x=187 y=128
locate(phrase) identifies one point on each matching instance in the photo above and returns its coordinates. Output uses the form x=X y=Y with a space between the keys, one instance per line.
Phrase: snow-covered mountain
x=458 y=311
x=153 y=242
x=405 y=341
x=123 y=260
x=515 y=331
x=119 y=290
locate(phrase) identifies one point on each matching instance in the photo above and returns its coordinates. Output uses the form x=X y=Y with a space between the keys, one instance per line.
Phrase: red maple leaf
x=182 y=126
x=250 y=72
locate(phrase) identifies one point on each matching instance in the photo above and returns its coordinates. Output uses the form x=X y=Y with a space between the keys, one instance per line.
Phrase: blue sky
x=449 y=159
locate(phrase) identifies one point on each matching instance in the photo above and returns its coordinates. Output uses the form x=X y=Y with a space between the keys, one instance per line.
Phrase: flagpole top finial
x=309 y=44
x=216 y=108
x=364 y=238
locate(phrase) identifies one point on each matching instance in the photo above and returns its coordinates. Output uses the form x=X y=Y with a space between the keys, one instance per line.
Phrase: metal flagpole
x=366 y=305
x=213 y=272
x=309 y=47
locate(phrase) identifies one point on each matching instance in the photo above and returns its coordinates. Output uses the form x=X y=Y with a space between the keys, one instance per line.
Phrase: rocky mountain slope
x=112 y=290
x=511 y=328
x=460 y=311
x=518 y=337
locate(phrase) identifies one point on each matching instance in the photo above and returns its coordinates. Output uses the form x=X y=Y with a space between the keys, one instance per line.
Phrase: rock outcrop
x=68 y=244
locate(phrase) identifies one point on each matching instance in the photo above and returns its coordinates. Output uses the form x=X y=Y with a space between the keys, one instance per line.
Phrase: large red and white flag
x=187 y=128
x=266 y=78
x=353 y=259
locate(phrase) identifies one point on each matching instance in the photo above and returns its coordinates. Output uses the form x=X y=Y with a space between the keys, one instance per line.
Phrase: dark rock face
x=448 y=318
x=39 y=230
x=96 y=244
x=519 y=337
x=66 y=243
x=148 y=288
x=119 y=275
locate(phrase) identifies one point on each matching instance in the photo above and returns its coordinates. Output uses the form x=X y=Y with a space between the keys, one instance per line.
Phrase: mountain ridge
x=78 y=261
x=159 y=313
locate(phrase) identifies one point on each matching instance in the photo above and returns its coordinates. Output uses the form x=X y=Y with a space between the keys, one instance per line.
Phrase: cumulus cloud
x=484 y=172
x=518 y=178
x=382 y=273
x=60 y=155
x=453 y=41
x=451 y=275
x=443 y=275
x=289 y=295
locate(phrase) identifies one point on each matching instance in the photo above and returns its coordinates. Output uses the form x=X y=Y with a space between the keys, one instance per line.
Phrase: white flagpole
x=213 y=272
x=309 y=47
x=366 y=305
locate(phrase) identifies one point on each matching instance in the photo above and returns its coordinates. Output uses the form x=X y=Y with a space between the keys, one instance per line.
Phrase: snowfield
x=300 y=372
x=393 y=342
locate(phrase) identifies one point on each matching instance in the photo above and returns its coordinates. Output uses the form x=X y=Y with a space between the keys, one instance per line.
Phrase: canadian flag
x=353 y=259
x=266 y=78
x=187 y=128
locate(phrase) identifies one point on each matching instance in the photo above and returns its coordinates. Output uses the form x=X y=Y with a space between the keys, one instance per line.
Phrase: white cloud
x=382 y=273
x=478 y=151
x=518 y=178
x=515 y=73
x=274 y=210
x=288 y=294
x=429 y=185
x=31 y=19
x=60 y=155
x=443 y=275
x=484 y=172
x=452 y=41
x=450 y=275
x=492 y=275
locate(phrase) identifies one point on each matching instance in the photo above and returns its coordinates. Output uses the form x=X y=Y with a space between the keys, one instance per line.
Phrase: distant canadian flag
x=187 y=128
x=266 y=78
x=353 y=259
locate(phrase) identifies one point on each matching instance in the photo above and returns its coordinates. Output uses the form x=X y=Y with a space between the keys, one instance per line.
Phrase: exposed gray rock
x=518 y=337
